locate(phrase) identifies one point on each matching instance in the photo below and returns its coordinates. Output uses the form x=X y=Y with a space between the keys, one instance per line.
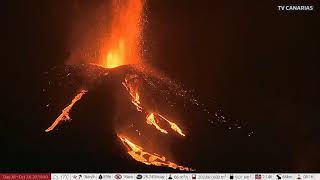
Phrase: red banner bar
x=25 y=176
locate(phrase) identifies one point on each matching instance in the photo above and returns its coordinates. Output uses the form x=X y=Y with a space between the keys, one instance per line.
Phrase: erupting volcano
x=151 y=110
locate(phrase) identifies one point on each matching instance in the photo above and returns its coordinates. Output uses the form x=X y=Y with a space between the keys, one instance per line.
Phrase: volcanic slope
x=117 y=104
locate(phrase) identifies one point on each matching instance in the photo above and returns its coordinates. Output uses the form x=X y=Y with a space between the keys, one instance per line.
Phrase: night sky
x=259 y=64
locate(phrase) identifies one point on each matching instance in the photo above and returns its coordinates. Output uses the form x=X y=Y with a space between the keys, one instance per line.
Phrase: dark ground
x=261 y=65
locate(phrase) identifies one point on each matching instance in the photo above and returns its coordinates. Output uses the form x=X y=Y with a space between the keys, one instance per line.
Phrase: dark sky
x=260 y=64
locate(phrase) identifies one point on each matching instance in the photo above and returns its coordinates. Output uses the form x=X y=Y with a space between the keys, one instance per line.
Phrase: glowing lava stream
x=138 y=153
x=174 y=126
x=151 y=117
x=135 y=96
x=152 y=121
x=64 y=116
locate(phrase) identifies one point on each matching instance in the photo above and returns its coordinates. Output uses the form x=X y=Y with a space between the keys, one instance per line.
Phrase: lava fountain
x=123 y=45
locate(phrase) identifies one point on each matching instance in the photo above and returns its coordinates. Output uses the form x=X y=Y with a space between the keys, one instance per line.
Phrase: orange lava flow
x=122 y=47
x=174 y=126
x=64 y=116
x=138 y=153
x=152 y=121
x=135 y=96
x=131 y=85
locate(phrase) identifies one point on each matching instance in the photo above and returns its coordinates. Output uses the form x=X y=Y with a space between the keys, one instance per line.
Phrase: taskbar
x=159 y=176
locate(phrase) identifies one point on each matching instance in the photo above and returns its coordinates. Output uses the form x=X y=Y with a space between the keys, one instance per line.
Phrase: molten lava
x=64 y=116
x=138 y=153
x=174 y=126
x=134 y=95
x=131 y=84
x=152 y=121
x=122 y=47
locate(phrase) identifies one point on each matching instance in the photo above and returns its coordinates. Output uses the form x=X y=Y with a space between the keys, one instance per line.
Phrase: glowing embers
x=138 y=153
x=64 y=116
